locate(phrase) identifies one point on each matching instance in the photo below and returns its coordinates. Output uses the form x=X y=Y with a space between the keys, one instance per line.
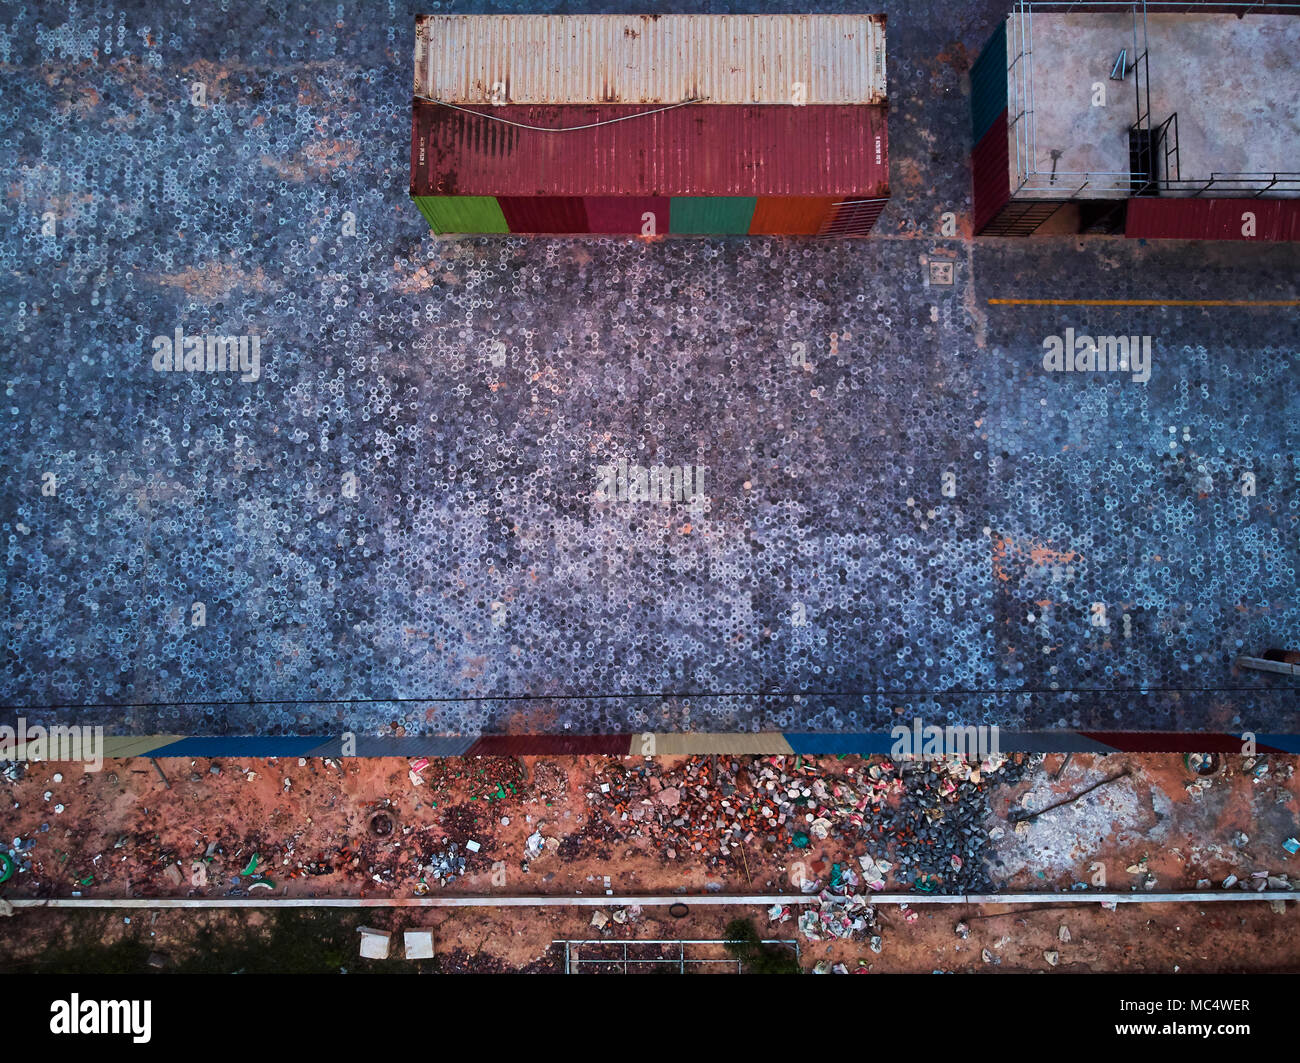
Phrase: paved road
x=905 y=512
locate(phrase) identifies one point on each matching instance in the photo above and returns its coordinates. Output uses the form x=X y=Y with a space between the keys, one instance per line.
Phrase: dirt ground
x=125 y=832
x=1167 y=938
x=659 y=826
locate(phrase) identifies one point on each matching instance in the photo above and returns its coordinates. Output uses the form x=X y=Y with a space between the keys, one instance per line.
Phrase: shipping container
x=628 y=215
x=651 y=215
x=694 y=215
x=651 y=126
x=665 y=59
x=700 y=150
x=544 y=214
x=1173 y=152
x=792 y=216
x=1213 y=219
x=989 y=171
x=988 y=84
x=462 y=214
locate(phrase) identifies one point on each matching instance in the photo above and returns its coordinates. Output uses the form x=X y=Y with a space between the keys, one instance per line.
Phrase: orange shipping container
x=791 y=215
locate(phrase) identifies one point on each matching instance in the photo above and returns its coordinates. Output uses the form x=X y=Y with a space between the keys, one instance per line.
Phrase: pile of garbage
x=446 y=865
x=927 y=814
x=835 y=917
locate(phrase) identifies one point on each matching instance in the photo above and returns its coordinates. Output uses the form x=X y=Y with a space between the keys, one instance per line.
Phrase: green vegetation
x=302 y=941
x=745 y=945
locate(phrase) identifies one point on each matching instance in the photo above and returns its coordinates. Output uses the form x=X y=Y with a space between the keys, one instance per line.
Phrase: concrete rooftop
x=1234 y=83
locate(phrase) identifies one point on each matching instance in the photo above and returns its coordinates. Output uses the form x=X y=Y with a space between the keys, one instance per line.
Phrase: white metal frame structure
x=1101 y=184
x=574 y=959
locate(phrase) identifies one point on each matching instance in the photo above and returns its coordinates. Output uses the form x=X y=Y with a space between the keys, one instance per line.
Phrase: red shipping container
x=544 y=214
x=1152 y=217
x=695 y=150
x=627 y=214
x=990 y=170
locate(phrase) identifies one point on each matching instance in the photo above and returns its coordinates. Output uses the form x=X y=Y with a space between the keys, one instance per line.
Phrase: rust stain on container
x=700 y=150
x=726 y=59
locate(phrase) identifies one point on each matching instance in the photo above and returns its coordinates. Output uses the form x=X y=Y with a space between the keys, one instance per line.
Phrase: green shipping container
x=462 y=214
x=711 y=215
x=988 y=85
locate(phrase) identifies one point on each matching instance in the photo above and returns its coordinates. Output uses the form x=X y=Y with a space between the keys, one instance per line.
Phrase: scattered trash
x=445 y=866
x=836 y=917
x=874 y=871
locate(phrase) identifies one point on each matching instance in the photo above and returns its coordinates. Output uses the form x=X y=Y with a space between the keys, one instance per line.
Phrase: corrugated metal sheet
x=545 y=745
x=733 y=744
x=631 y=215
x=392 y=746
x=239 y=745
x=988 y=84
x=544 y=214
x=648 y=215
x=700 y=150
x=791 y=216
x=989 y=171
x=1212 y=219
x=711 y=214
x=462 y=214
x=651 y=215
x=725 y=59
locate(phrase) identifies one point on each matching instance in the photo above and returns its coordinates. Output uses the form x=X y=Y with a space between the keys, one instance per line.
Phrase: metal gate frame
x=572 y=958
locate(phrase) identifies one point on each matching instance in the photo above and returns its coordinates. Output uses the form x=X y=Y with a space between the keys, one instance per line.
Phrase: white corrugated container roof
x=560 y=59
